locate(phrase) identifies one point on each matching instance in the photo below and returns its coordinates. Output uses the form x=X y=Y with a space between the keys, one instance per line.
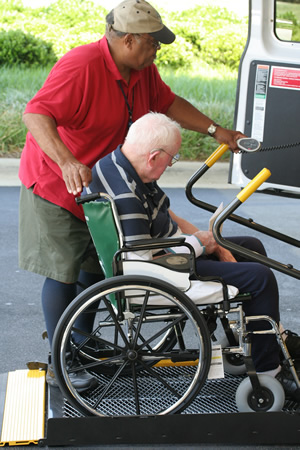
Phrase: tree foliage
x=211 y=34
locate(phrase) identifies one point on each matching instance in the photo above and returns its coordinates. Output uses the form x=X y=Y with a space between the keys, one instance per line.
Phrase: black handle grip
x=87 y=198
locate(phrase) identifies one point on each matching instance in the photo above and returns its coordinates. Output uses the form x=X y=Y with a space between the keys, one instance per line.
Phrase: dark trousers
x=260 y=281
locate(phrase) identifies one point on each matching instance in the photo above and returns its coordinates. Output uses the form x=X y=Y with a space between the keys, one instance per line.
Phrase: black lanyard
x=130 y=109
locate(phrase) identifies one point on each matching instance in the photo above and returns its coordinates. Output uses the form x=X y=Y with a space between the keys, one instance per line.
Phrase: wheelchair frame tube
x=275 y=330
x=98 y=195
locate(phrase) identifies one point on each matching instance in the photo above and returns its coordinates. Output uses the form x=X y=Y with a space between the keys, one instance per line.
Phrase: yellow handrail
x=251 y=187
x=216 y=154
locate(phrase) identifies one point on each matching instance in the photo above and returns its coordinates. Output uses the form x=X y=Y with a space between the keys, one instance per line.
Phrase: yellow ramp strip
x=169 y=363
x=24 y=410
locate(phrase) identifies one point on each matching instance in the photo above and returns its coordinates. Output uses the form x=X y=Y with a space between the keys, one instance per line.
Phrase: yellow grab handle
x=216 y=155
x=251 y=187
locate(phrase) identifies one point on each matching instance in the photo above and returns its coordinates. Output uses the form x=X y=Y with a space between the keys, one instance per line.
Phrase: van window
x=287 y=23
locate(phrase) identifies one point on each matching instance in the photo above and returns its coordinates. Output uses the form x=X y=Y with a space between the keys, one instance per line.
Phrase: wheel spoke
x=160 y=379
x=142 y=315
x=98 y=363
x=135 y=389
x=162 y=331
x=117 y=324
x=99 y=340
x=109 y=385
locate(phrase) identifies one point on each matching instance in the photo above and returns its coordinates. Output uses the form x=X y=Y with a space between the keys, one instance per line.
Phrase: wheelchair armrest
x=153 y=244
x=156 y=243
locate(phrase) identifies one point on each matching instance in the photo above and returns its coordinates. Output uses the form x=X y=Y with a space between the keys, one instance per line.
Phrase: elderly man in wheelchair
x=166 y=285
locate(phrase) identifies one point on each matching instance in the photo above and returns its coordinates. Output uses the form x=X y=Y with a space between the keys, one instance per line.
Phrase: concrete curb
x=9 y=168
x=181 y=172
x=176 y=176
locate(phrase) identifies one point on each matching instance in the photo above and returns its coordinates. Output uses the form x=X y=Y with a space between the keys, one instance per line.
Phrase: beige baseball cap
x=138 y=16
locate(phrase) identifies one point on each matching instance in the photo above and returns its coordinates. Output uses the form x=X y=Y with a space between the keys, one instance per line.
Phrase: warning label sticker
x=285 y=78
x=259 y=104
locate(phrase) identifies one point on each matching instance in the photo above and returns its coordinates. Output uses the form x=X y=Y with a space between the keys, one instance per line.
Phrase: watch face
x=212 y=129
x=176 y=260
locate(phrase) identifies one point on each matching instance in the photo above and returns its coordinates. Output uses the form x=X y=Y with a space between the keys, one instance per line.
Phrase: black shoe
x=81 y=380
x=292 y=342
x=50 y=377
x=288 y=383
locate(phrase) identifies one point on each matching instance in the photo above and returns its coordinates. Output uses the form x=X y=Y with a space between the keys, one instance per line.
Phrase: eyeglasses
x=155 y=44
x=174 y=159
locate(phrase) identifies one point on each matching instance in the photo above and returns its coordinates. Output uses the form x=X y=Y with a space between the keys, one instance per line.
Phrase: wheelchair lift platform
x=33 y=413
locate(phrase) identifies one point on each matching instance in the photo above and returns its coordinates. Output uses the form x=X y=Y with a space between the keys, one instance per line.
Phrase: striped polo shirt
x=142 y=207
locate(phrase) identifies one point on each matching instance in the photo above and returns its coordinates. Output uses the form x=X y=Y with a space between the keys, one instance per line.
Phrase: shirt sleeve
x=59 y=98
x=194 y=242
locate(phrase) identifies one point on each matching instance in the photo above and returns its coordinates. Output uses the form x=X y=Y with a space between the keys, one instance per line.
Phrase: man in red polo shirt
x=83 y=112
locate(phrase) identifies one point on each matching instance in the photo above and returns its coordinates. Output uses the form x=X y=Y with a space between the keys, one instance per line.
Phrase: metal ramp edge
x=212 y=418
x=23 y=420
x=270 y=428
x=22 y=407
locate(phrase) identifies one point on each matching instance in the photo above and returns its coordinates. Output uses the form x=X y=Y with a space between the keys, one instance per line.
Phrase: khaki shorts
x=52 y=241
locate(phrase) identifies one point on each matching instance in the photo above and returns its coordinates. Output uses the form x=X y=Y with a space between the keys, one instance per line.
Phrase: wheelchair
x=149 y=343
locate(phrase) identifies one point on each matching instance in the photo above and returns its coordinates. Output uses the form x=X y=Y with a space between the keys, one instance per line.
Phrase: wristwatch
x=212 y=128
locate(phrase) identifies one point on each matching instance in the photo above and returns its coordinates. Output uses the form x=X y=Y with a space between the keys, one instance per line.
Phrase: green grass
x=210 y=90
x=18 y=86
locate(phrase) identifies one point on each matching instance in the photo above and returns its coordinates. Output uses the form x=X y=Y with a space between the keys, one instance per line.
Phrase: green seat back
x=100 y=221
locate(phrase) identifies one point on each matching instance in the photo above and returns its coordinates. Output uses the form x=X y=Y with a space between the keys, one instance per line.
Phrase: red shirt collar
x=111 y=65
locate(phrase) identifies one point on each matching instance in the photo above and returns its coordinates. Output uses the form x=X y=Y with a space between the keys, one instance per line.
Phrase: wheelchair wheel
x=139 y=368
x=93 y=351
x=272 y=396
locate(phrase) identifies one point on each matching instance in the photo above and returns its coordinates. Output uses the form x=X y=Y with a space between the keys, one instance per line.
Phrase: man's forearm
x=43 y=129
x=191 y=118
x=188 y=116
x=185 y=226
x=74 y=173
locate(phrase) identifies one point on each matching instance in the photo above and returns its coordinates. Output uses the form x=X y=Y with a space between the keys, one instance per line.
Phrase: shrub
x=179 y=54
x=64 y=23
x=19 y=48
x=212 y=34
x=225 y=46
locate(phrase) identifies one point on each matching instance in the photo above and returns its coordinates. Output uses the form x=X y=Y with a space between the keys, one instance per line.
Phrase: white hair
x=153 y=130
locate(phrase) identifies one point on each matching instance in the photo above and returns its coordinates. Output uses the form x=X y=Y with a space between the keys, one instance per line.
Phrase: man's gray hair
x=154 y=130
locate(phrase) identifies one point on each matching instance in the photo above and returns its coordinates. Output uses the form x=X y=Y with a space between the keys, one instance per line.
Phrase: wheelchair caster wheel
x=271 y=398
x=233 y=362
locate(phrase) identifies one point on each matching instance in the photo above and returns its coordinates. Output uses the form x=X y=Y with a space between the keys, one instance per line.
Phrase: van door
x=268 y=96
